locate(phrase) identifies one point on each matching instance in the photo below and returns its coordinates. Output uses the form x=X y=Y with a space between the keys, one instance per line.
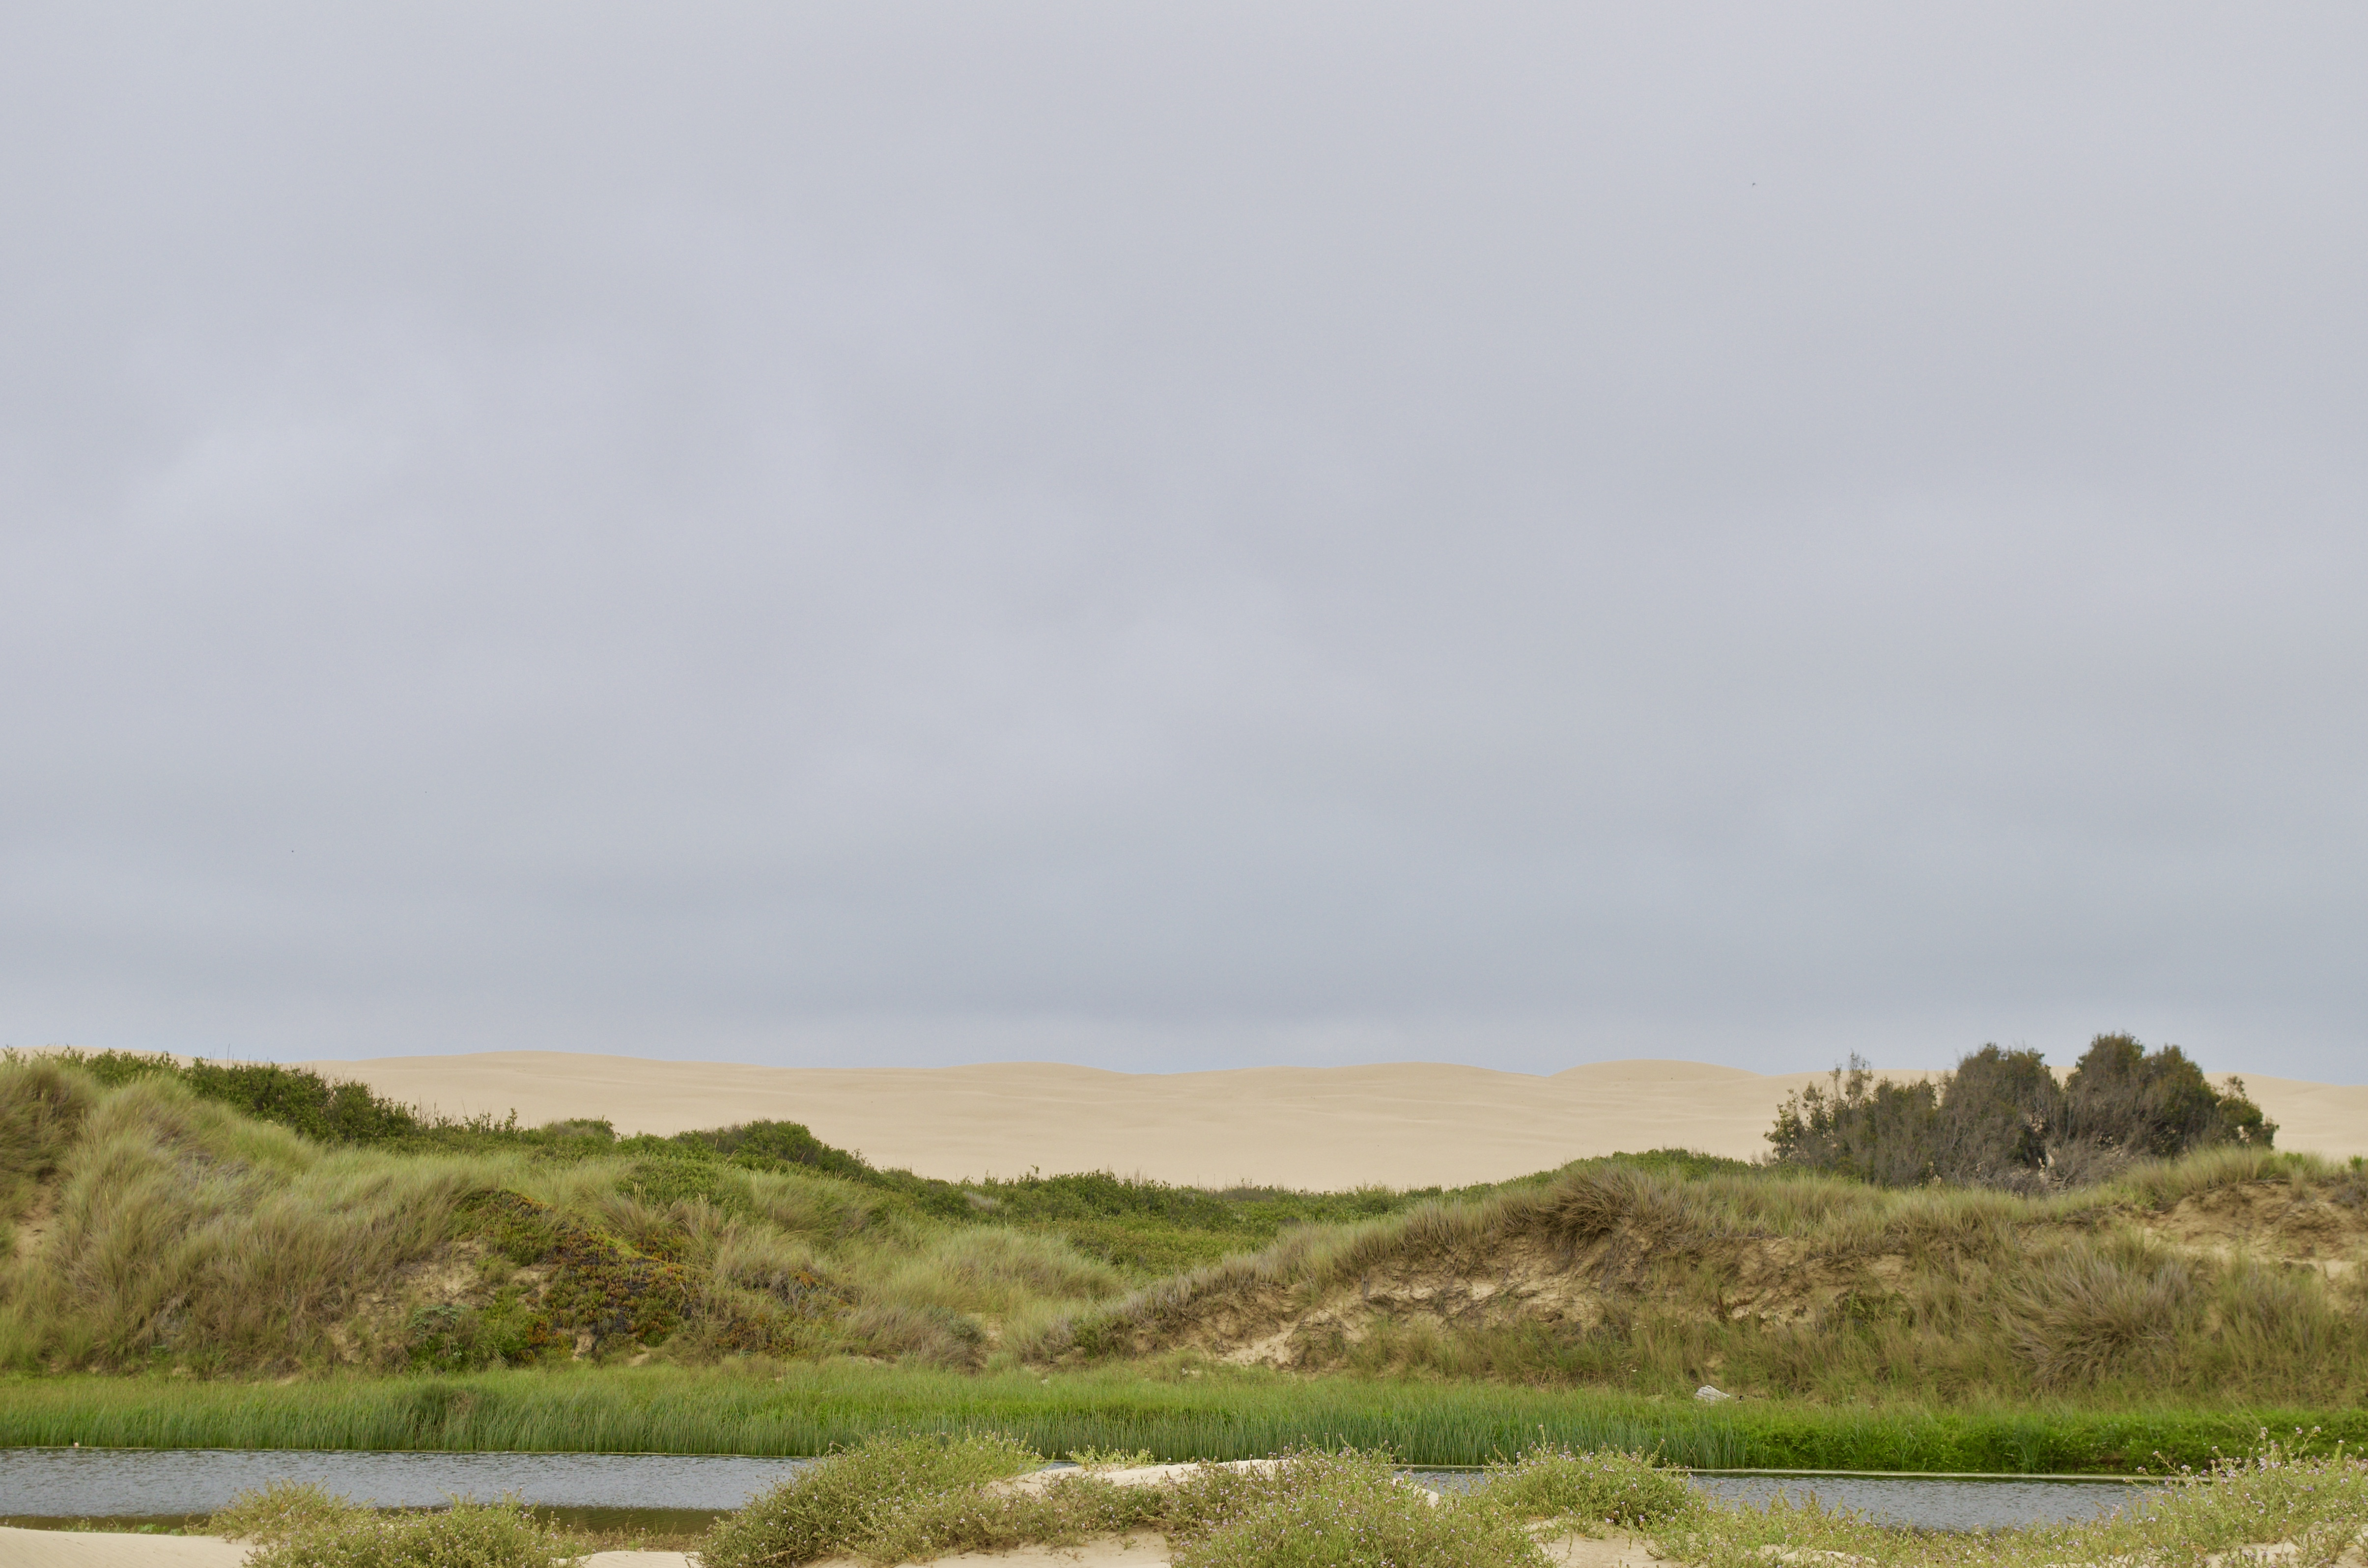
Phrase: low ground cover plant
x=1343 y=1509
x=841 y=1503
x=295 y=1526
x=1588 y=1489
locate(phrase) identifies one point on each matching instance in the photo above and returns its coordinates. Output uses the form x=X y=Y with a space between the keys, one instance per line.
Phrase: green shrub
x=275 y=1513
x=787 y=1142
x=835 y=1504
x=325 y=1110
x=1626 y=1491
x=2156 y=1105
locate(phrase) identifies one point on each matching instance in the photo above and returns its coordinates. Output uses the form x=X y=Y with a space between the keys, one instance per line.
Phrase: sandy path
x=1405 y=1124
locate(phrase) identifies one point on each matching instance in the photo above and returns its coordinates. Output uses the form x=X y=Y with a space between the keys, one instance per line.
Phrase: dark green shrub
x=1870 y=1128
x=1998 y=1111
x=787 y=1142
x=2156 y=1104
x=325 y=1110
x=2000 y=1119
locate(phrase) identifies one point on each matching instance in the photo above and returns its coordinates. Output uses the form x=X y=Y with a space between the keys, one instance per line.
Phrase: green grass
x=805 y=1410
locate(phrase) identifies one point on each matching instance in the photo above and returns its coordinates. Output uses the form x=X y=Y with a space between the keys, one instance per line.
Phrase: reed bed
x=807 y=1410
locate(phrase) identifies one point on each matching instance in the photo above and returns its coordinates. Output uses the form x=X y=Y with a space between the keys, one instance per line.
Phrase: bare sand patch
x=1398 y=1124
x=96 y=1549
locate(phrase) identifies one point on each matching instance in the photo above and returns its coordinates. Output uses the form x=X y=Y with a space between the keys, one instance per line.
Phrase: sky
x=1174 y=535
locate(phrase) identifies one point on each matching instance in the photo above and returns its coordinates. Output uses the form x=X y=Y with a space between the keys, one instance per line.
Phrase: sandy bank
x=56 y=1549
x=1400 y=1124
x=98 y=1549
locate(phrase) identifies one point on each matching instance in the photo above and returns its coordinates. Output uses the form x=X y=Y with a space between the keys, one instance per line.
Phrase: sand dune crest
x=1398 y=1124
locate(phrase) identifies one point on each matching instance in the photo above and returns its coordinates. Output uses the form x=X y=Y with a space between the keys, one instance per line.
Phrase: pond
x=1921 y=1502
x=680 y=1492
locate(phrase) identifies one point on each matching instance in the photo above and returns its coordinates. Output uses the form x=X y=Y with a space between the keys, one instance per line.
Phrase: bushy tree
x=2002 y=1120
x=1998 y=1111
x=1863 y=1126
x=2121 y=1096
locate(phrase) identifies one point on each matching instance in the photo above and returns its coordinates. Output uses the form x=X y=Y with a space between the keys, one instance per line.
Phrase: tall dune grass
x=175 y=1232
x=1954 y=1292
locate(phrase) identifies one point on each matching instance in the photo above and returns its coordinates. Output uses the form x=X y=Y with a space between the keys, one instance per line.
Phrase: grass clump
x=279 y=1512
x=295 y=1526
x=842 y=1503
x=1590 y=1489
x=979 y=1518
x=1313 y=1509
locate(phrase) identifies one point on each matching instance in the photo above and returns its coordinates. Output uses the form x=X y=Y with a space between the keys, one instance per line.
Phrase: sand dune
x=1404 y=1124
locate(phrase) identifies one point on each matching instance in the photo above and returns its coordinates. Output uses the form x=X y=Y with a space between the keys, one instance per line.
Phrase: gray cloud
x=1184 y=535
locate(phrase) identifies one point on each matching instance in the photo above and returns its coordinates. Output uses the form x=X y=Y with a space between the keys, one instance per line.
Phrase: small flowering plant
x=1594 y=1490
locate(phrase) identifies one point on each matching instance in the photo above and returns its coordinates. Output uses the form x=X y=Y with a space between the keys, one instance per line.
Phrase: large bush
x=2001 y=1119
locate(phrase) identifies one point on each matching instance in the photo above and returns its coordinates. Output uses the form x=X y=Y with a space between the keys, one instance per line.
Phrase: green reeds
x=802 y=1410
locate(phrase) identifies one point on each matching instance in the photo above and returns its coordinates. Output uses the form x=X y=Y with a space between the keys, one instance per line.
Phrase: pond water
x=680 y=1492
x=667 y=1493
x=1922 y=1502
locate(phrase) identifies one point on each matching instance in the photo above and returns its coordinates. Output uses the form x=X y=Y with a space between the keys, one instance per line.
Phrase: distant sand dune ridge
x=1400 y=1124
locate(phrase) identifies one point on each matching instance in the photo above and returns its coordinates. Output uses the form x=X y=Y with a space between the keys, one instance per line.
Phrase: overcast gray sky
x=1172 y=535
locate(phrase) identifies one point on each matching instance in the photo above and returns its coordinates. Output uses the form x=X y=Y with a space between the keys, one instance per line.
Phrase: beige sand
x=54 y=1549
x=98 y=1549
x=1404 y=1124
x=79 y=1548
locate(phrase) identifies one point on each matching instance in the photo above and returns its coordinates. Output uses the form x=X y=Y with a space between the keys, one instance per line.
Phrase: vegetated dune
x=142 y=1224
x=2231 y=1271
x=1318 y=1128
